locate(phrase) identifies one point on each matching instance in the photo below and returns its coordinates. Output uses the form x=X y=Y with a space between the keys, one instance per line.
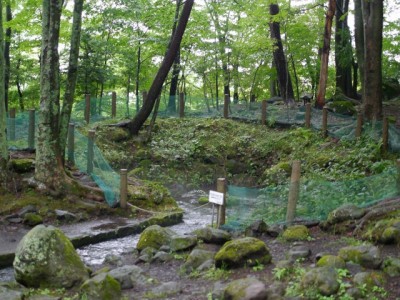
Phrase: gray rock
x=182 y=242
x=27 y=209
x=166 y=289
x=257 y=229
x=196 y=258
x=101 y=287
x=165 y=248
x=218 y=290
x=276 y=290
x=241 y=252
x=344 y=213
x=275 y=230
x=45 y=257
x=129 y=276
x=331 y=261
x=208 y=264
x=65 y=215
x=212 y=235
x=299 y=251
x=44 y=297
x=11 y=294
x=162 y=256
x=367 y=256
x=246 y=289
x=369 y=279
x=324 y=280
x=113 y=260
x=147 y=254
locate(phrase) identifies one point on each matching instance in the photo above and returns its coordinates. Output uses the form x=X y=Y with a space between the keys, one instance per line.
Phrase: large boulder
x=101 y=287
x=129 y=276
x=212 y=235
x=331 y=261
x=368 y=256
x=46 y=258
x=344 y=213
x=246 y=289
x=155 y=236
x=182 y=242
x=246 y=251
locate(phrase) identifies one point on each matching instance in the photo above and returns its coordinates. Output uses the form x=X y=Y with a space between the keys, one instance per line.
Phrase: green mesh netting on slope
x=317 y=199
x=104 y=176
x=17 y=131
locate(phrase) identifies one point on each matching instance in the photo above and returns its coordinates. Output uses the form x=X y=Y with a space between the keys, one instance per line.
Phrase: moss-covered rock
x=195 y=259
x=386 y=231
x=152 y=195
x=296 y=233
x=367 y=256
x=342 y=107
x=155 y=236
x=182 y=242
x=46 y=258
x=344 y=213
x=212 y=235
x=331 y=261
x=324 y=280
x=246 y=251
x=277 y=173
x=32 y=219
x=101 y=287
x=391 y=266
x=22 y=165
x=369 y=279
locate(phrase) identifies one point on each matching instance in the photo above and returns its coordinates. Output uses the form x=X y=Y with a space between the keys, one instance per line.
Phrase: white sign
x=216 y=197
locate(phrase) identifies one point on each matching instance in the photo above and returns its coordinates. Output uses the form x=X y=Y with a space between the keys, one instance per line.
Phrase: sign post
x=215 y=198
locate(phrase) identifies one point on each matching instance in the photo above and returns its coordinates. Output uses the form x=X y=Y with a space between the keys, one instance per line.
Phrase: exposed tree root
x=377 y=211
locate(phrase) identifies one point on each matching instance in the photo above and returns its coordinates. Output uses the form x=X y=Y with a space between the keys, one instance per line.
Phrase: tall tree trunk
x=359 y=39
x=3 y=113
x=72 y=74
x=18 y=84
x=323 y=76
x=162 y=73
x=284 y=80
x=343 y=50
x=49 y=163
x=175 y=68
x=216 y=83
x=7 y=54
x=373 y=27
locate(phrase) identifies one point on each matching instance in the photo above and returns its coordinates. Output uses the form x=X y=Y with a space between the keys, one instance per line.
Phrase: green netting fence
x=268 y=203
x=316 y=199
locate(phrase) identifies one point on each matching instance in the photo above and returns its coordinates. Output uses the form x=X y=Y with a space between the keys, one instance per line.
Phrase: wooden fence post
x=123 y=188
x=294 y=192
x=359 y=125
x=87 y=108
x=113 y=105
x=264 y=112
x=308 y=115
x=90 y=151
x=221 y=188
x=385 y=135
x=226 y=106
x=181 y=105
x=398 y=177
x=71 y=144
x=325 y=122
x=31 y=130
x=12 y=124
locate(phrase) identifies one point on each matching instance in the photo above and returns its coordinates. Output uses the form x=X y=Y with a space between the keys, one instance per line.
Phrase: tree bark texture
x=323 y=77
x=72 y=74
x=162 y=73
x=373 y=26
x=3 y=114
x=49 y=165
x=175 y=68
x=7 y=54
x=359 y=38
x=343 y=53
x=284 y=80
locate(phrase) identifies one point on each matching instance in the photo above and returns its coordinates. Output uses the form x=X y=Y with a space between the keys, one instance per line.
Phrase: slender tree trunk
x=137 y=88
x=128 y=91
x=359 y=39
x=18 y=84
x=284 y=80
x=49 y=163
x=3 y=113
x=72 y=74
x=175 y=68
x=373 y=27
x=323 y=77
x=7 y=54
x=216 y=83
x=162 y=73
x=343 y=50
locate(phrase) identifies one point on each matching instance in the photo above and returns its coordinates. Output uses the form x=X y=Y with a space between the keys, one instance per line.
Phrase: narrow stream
x=194 y=217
